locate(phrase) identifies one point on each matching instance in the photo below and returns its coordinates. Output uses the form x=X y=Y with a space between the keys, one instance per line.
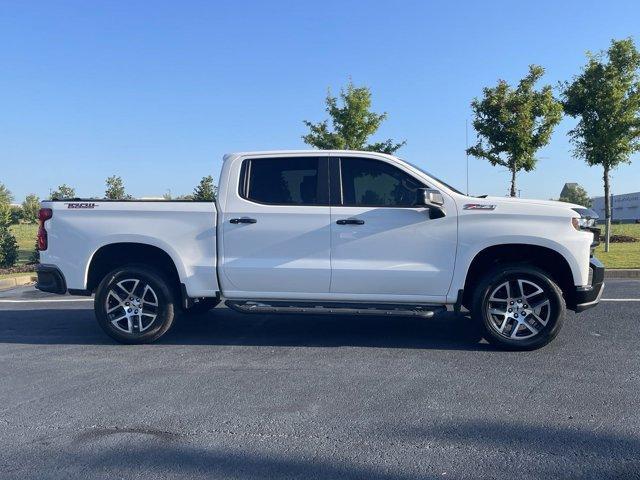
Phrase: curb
x=622 y=273
x=6 y=283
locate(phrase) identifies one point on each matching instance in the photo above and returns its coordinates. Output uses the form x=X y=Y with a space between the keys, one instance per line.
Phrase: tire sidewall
x=166 y=304
x=540 y=278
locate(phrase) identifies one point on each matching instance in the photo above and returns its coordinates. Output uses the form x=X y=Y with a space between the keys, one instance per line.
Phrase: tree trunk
x=607 y=209
x=513 y=182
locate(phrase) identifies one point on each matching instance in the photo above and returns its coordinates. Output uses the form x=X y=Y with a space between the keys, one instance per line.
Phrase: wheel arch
x=547 y=259
x=113 y=255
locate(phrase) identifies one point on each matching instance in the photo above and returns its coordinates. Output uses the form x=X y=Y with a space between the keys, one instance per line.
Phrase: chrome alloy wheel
x=131 y=305
x=518 y=309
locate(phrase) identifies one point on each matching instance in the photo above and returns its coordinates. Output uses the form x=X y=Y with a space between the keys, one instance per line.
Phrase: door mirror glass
x=429 y=197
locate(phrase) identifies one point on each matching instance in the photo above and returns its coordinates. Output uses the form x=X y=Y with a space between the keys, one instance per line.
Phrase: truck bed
x=185 y=230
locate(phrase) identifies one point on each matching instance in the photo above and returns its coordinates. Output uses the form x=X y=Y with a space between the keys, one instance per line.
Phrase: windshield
x=435 y=178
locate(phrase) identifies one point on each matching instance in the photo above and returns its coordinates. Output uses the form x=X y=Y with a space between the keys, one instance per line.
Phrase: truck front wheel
x=520 y=307
x=134 y=304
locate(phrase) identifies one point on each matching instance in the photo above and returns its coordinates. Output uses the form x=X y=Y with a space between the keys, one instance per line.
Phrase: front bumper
x=588 y=296
x=51 y=279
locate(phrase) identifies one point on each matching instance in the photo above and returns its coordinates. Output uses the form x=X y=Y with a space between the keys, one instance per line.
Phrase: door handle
x=350 y=221
x=243 y=220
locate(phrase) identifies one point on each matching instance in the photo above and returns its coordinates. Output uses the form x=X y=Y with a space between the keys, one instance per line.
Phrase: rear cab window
x=285 y=181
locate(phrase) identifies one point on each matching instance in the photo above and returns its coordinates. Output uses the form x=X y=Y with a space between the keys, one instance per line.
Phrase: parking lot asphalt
x=226 y=395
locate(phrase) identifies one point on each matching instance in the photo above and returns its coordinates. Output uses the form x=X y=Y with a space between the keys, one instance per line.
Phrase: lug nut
x=526 y=306
x=126 y=303
x=519 y=300
x=515 y=315
x=129 y=310
x=135 y=311
x=510 y=310
x=511 y=302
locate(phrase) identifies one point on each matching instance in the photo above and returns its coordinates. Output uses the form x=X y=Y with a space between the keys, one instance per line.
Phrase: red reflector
x=43 y=215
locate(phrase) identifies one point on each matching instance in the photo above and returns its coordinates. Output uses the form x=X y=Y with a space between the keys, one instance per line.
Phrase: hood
x=574 y=208
x=531 y=201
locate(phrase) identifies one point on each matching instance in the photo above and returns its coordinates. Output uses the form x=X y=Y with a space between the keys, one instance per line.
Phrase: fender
x=467 y=255
x=140 y=239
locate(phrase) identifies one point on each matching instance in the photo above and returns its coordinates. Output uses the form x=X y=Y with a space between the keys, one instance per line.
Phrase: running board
x=396 y=310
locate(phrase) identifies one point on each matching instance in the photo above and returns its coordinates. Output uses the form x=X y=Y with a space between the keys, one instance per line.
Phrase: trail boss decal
x=478 y=206
x=81 y=205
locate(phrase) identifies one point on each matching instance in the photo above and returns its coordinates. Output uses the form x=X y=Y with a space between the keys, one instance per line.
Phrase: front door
x=383 y=248
x=276 y=230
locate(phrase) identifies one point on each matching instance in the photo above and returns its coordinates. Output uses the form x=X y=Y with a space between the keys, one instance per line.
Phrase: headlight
x=586 y=219
x=583 y=223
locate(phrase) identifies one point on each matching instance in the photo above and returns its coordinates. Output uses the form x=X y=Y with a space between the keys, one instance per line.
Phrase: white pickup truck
x=325 y=232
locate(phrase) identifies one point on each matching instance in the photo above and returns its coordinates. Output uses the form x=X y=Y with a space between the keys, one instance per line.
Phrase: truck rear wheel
x=520 y=307
x=134 y=304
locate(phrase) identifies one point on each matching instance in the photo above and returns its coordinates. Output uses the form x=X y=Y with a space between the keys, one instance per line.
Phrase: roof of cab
x=303 y=152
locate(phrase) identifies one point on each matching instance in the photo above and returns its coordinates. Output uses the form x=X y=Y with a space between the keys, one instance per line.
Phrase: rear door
x=276 y=231
x=383 y=248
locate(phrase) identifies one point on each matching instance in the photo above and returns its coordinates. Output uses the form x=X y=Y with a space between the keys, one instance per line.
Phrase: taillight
x=43 y=215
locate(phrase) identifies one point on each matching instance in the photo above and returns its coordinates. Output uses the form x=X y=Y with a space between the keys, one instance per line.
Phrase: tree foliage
x=115 y=189
x=8 y=248
x=30 y=208
x=205 y=191
x=514 y=123
x=605 y=98
x=15 y=214
x=64 y=192
x=5 y=194
x=352 y=124
x=576 y=194
x=5 y=206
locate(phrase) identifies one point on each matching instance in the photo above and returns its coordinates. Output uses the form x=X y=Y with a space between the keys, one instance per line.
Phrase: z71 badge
x=478 y=206
x=81 y=205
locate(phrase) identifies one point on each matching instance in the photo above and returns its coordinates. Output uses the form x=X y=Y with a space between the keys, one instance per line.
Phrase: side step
x=399 y=310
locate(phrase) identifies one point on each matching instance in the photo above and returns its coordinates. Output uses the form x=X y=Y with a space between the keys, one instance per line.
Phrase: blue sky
x=158 y=91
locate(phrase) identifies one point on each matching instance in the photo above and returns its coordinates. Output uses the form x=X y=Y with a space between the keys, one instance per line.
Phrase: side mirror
x=429 y=197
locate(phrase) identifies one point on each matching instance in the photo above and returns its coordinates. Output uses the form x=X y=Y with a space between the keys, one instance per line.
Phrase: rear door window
x=285 y=181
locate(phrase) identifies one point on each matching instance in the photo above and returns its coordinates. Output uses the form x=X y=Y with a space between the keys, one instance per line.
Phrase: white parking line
x=620 y=299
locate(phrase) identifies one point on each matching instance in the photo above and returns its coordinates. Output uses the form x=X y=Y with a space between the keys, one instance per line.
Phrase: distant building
x=566 y=190
x=624 y=208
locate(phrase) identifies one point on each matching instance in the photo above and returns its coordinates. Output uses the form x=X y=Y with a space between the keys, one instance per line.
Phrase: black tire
x=144 y=322
x=203 y=306
x=546 y=320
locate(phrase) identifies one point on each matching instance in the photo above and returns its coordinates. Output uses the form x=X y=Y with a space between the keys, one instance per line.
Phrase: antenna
x=466 y=141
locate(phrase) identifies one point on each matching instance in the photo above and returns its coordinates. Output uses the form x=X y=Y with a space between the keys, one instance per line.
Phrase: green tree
x=206 y=190
x=5 y=206
x=605 y=98
x=513 y=123
x=576 y=194
x=5 y=194
x=15 y=214
x=64 y=192
x=115 y=189
x=353 y=123
x=30 y=208
x=8 y=244
x=35 y=254
x=8 y=248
